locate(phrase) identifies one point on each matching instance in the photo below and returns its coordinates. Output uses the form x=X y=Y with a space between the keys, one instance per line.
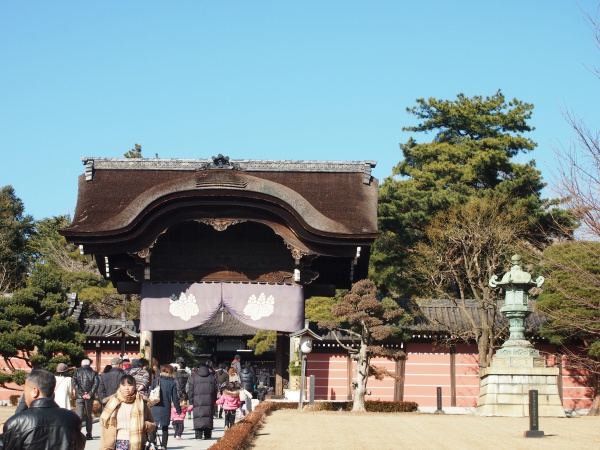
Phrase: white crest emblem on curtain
x=184 y=307
x=260 y=307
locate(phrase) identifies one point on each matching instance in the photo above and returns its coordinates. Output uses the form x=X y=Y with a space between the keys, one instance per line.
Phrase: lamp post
x=305 y=349
x=305 y=337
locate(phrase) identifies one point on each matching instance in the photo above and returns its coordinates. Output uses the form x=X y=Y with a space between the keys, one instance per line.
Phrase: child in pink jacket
x=230 y=399
x=179 y=418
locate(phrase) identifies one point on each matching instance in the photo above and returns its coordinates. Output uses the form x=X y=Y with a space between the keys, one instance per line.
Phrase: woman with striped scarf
x=126 y=419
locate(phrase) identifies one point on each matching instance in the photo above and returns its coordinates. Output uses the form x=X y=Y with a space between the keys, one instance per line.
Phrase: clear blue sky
x=323 y=80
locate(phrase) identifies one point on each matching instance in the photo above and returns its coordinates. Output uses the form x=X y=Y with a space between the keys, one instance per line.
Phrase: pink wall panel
x=330 y=371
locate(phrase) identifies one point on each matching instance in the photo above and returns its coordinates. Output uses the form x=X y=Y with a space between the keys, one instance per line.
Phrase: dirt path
x=292 y=429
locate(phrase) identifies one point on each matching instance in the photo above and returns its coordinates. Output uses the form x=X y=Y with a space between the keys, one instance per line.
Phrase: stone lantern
x=517 y=351
x=517 y=366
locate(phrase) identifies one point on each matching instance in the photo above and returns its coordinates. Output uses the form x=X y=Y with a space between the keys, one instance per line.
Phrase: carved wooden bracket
x=220 y=224
x=145 y=252
x=297 y=254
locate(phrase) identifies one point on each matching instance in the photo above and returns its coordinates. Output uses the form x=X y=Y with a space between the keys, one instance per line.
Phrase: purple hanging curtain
x=178 y=306
x=266 y=306
x=181 y=306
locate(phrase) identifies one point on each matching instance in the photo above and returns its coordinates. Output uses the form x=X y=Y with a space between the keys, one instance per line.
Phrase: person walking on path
x=85 y=383
x=43 y=424
x=263 y=383
x=126 y=419
x=141 y=375
x=237 y=363
x=181 y=376
x=64 y=387
x=246 y=399
x=162 y=410
x=223 y=380
x=110 y=381
x=247 y=382
x=231 y=402
x=178 y=419
x=233 y=375
x=202 y=391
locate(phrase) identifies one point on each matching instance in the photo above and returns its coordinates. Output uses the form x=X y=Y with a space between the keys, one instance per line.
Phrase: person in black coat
x=202 y=391
x=162 y=410
x=44 y=424
x=247 y=382
x=110 y=380
x=85 y=383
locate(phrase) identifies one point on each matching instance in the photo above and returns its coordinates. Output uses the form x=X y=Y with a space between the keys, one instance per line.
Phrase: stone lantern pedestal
x=517 y=367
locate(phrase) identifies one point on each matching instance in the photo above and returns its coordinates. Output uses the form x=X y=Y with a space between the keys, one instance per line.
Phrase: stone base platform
x=504 y=391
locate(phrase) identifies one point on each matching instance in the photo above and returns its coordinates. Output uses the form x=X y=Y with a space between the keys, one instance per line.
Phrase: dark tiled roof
x=435 y=316
x=103 y=327
x=75 y=306
x=222 y=325
x=332 y=197
x=438 y=315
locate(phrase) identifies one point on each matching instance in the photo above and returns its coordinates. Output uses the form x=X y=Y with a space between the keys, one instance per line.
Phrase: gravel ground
x=292 y=429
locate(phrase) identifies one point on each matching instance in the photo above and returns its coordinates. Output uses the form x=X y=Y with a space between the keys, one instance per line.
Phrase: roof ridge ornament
x=89 y=168
x=220 y=162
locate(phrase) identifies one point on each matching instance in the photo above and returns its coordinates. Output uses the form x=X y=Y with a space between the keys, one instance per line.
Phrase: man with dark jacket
x=109 y=381
x=44 y=424
x=203 y=395
x=85 y=383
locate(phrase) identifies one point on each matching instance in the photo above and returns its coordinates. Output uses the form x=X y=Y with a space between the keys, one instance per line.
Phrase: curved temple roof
x=319 y=202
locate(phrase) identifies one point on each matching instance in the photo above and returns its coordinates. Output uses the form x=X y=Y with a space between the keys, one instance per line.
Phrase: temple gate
x=196 y=236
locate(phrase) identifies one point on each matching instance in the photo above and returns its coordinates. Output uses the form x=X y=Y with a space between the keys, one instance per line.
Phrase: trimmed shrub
x=241 y=435
x=14 y=399
x=370 y=406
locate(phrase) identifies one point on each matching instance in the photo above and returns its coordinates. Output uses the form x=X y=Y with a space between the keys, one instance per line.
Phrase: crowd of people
x=135 y=412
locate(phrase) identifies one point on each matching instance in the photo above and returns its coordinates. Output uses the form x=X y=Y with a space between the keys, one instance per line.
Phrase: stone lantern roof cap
x=516 y=275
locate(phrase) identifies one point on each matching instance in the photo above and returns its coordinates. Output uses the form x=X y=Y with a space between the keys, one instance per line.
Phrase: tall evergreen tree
x=471 y=154
x=15 y=229
x=35 y=326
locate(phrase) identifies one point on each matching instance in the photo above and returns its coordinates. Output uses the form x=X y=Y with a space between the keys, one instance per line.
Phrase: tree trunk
x=362 y=375
x=483 y=347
